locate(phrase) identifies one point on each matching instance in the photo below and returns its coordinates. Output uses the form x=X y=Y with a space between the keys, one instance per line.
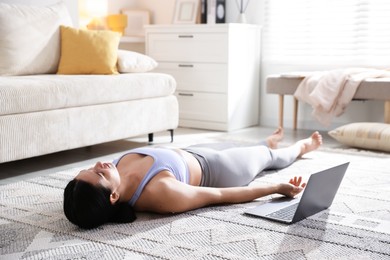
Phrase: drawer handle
x=186 y=65
x=186 y=36
x=186 y=94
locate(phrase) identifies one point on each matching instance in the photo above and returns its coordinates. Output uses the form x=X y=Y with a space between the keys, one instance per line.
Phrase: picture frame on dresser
x=186 y=11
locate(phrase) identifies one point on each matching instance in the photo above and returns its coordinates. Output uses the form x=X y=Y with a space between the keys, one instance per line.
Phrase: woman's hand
x=291 y=189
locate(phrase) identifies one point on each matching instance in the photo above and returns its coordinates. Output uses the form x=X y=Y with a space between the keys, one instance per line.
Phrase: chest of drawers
x=216 y=68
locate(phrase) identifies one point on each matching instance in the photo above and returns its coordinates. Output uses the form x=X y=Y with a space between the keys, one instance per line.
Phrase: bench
x=369 y=89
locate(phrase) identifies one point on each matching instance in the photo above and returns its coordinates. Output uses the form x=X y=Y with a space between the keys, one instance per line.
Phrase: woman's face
x=104 y=174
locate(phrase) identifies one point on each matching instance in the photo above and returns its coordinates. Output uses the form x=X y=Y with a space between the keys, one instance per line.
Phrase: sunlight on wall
x=92 y=14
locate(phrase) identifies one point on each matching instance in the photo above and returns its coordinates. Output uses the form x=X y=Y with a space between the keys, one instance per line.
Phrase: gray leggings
x=230 y=165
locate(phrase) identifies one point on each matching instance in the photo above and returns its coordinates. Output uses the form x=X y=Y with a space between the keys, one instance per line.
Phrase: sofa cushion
x=46 y=92
x=373 y=136
x=130 y=61
x=88 y=51
x=30 y=41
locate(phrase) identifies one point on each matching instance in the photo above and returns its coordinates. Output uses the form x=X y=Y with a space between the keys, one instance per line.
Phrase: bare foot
x=275 y=138
x=310 y=144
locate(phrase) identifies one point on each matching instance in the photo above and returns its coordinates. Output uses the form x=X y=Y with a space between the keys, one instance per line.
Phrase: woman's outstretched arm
x=169 y=195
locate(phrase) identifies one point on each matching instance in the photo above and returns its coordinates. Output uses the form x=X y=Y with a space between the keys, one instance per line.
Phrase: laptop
x=318 y=195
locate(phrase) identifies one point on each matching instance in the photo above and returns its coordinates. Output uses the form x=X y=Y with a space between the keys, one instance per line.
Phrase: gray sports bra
x=164 y=160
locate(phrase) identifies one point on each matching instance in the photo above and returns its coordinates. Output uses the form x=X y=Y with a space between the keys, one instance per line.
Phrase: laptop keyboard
x=286 y=213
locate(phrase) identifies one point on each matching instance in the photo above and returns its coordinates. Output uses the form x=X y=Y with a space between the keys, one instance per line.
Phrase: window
x=342 y=32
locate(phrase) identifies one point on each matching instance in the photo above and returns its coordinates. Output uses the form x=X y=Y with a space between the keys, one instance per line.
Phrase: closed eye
x=100 y=174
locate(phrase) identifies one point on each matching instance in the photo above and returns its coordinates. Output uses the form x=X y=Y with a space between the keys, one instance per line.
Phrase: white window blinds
x=346 y=32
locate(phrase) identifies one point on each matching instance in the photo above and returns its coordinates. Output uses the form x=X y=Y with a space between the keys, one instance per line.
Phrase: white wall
x=161 y=10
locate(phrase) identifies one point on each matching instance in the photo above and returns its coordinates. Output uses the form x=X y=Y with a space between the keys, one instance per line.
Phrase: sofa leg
x=150 y=138
x=171 y=132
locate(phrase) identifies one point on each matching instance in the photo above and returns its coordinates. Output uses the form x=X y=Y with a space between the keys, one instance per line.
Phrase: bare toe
x=275 y=138
x=310 y=144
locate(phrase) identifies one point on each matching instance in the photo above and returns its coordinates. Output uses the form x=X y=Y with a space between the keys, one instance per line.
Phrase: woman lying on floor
x=165 y=180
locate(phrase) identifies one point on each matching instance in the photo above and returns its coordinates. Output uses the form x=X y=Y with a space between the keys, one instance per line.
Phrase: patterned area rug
x=357 y=226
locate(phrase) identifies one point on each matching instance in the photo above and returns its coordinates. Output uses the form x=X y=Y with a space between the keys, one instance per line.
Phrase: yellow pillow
x=88 y=52
x=374 y=136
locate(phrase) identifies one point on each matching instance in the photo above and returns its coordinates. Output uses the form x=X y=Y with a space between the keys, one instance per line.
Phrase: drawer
x=202 y=106
x=189 y=47
x=200 y=77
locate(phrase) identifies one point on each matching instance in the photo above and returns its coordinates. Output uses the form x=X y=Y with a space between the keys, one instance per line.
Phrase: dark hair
x=89 y=206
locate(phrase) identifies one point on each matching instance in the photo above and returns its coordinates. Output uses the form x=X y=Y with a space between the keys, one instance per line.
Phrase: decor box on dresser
x=217 y=71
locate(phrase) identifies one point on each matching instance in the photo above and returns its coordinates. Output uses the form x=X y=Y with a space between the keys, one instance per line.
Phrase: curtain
x=339 y=32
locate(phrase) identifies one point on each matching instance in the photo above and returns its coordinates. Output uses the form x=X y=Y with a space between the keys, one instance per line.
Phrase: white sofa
x=42 y=113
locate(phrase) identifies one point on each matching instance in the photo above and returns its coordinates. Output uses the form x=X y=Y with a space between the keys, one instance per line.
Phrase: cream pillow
x=129 y=61
x=88 y=51
x=374 y=136
x=30 y=38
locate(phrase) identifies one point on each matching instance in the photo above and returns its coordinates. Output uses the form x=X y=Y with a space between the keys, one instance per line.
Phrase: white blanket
x=329 y=92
